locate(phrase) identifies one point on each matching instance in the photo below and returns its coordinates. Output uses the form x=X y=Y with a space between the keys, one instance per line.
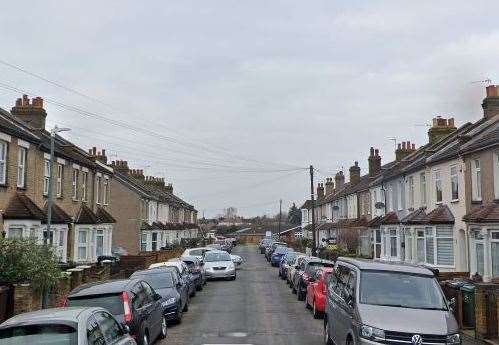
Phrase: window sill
x=439 y=203
x=454 y=201
x=476 y=202
x=23 y=188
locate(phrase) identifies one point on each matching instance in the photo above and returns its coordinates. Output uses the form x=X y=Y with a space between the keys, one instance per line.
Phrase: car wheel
x=293 y=290
x=349 y=341
x=307 y=305
x=199 y=287
x=317 y=314
x=186 y=306
x=300 y=296
x=164 y=330
x=327 y=337
x=193 y=293
x=143 y=338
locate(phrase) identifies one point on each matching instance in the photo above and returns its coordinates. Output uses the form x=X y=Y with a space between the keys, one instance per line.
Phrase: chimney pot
x=490 y=104
x=94 y=151
x=413 y=147
x=399 y=146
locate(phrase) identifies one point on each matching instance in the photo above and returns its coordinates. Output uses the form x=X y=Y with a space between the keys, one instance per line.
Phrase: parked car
x=197 y=252
x=218 y=264
x=198 y=274
x=270 y=250
x=224 y=245
x=131 y=301
x=237 y=260
x=293 y=267
x=287 y=259
x=370 y=302
x=307 y=269
x=72 y=326
x=263 y=244
x=165 y=281
x=277 y=255
x=183 y=271
x=316 y=291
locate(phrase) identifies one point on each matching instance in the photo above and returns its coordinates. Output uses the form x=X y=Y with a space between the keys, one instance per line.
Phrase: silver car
x=370 y=302
x=218 y=264
x=65 y=326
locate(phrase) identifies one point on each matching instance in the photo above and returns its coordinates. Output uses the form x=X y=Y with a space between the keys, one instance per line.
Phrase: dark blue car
x=278 y=254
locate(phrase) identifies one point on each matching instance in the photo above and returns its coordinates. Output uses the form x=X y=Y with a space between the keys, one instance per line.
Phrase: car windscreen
x=312 y=267
x=265 y=242
x=54 y=334
x=281 y=250
x=216 y=256
x=401 y=290
x=112 y=302
x=290 y=257
x=161 y=280
x=196 y=252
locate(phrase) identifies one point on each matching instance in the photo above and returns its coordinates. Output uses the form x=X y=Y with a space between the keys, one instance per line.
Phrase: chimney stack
x=440 y=129
x=329 y=186
x=339 y=178
x=374 y=162
x=32 y=113
x=490 y=103
x=121 y=166
x=320 y=191
x=355 y=173
x=403 y=150
x=169 y=188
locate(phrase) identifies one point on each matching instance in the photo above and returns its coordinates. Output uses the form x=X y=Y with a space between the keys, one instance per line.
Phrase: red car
x=316 y=291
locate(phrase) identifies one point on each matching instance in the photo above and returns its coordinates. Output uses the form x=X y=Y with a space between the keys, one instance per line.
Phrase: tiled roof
x=488 y=213
x=103 y=216
x=85 y=216
x=441 y=215
x=418 y=216
x=390 y=218
x=58 y=216
x=22 y=207
x=307 y=205
x=488 y=138
x=375 y=222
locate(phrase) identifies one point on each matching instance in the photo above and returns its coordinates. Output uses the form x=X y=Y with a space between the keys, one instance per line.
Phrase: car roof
x=401 y=267
x=45 y=316
x=318 y=260
x=153 y=271
x=189 y=258
x=103 y=287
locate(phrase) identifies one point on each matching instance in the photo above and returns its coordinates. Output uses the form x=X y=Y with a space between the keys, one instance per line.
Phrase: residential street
x=257 y=308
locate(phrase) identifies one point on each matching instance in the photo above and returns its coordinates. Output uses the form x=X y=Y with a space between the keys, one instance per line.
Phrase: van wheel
x=327 y=337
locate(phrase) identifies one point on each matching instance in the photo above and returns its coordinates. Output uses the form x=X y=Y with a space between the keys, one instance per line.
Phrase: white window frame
x=46 y=176
x=4 y=146
x=496 y=175
x=422 y=188
x=16 y=228
x=476 y=180
x=105 y=191
x=400 y=190
x=84 y=180
x=81 y=244
x=410 y=182
x=143 y=242
x=59 y=179
x=391 y=248
x=74 y=184
x=437 y=179
x=98 y=190
x=21 y=166
x=454 y=179
x=431 y=232
x=389 y=198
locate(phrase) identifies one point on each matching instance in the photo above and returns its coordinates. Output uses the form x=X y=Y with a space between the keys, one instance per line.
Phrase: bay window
x=445 y=245
x=435 y=245
x=438 y=186
x=454 y=181
x=143 y=242
x=15 y=232
x=393 y=243
x=476 y=180
x=154 y=241
x=430 y=246
x=494 y=252
x=420 y=246
x=377 y=243
x=83 y=243
x=21 y=167
x=99 y=243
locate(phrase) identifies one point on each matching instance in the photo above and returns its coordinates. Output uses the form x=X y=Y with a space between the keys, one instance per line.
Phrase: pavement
x=257 y=308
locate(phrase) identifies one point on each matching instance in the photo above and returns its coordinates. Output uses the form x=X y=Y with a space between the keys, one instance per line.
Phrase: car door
x=94 y=333
x=335 y=302
x=111 y=330
x=346 y=290
x=155 y=309
x=180 y=286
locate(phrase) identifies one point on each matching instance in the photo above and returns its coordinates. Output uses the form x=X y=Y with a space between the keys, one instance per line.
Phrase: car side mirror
x=157 y=297
x=452 y=304
x=125 y=328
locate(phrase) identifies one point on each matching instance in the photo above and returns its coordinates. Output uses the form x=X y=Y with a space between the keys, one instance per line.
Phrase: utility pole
x=314 y=245
x=280 y=215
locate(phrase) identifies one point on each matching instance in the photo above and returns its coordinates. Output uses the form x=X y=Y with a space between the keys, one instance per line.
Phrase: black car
x=133 y=302
x=82 y=326
x=263 y=244
x=302 y=278
x=166 y=282
x=270 y=250
x=196 y=270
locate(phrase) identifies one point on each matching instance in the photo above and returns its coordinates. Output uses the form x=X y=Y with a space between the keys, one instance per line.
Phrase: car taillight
x=126 y=306
x=64 y=302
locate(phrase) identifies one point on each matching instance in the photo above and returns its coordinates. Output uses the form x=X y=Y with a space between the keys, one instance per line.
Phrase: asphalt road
x=256 y=308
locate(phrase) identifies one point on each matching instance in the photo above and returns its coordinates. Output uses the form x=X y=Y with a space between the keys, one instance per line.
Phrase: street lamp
x=53 y=132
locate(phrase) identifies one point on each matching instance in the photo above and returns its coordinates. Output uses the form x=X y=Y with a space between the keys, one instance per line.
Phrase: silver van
x=372 y=302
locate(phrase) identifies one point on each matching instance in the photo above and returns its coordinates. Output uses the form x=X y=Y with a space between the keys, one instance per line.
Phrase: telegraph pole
x=280 y=215
x=314 y=245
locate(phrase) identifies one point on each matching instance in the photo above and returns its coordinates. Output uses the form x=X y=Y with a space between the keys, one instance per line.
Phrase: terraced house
x=82 y=227
x=437 y=204
x=148 y=214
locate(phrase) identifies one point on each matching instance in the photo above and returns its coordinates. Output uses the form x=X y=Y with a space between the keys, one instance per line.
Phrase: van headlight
x=372 y=333
x=453 y=339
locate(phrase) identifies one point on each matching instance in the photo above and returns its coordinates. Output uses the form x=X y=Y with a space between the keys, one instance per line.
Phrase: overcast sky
x=228 y=97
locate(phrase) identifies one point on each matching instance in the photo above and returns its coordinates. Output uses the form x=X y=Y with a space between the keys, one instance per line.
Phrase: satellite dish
x=336 y=207
x=379 y=205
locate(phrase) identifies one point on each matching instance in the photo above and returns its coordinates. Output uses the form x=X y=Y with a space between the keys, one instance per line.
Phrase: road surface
x=256 y=308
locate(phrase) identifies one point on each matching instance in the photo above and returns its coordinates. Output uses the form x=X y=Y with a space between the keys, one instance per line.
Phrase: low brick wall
x=486 y=310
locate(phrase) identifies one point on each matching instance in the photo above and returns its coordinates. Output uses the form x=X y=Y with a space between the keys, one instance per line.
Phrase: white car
x=197 y=252
x=218 y=264
x=236 y=259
